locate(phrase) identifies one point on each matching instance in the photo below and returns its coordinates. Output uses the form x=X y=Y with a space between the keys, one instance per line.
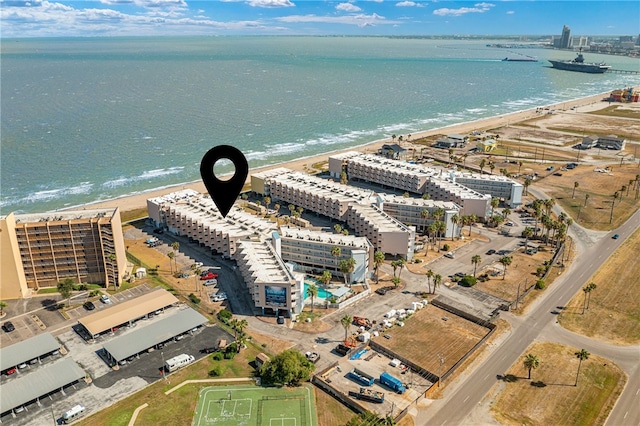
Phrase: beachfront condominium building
x=341 y=202
x=502 y=187
x=41 y=250
x=273 y=286
x=412 y=178
x=421 y=213
x=191 y=214
x=314 y=252
x=565 y=41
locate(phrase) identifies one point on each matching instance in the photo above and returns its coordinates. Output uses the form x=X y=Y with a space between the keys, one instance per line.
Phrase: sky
x=66 y=18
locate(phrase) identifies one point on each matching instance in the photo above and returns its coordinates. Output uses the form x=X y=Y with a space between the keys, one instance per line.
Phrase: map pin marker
x=224 y=192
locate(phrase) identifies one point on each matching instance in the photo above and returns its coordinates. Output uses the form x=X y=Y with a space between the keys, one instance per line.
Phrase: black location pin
x=224 y=192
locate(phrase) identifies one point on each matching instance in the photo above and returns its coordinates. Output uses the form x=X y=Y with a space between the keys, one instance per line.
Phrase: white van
x=73 y=414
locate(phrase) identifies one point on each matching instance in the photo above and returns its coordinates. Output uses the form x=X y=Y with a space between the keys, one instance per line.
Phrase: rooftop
x=324 y=237
x=29 y=349
x=64 y=216
x=262 y=262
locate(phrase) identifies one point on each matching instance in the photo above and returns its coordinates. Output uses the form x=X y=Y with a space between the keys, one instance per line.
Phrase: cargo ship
x=579 y=65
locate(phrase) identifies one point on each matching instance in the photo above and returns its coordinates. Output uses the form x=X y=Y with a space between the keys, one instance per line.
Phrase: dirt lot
x=519 y=399
x=433 y=331
x=614 y=309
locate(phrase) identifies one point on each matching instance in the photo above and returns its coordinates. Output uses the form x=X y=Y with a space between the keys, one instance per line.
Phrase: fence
x=351 y=300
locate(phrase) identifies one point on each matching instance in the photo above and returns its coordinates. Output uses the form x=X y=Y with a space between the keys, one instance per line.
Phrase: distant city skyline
x=66 y=18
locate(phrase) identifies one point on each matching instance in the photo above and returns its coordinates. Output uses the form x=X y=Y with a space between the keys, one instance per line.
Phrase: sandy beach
x=138 y=201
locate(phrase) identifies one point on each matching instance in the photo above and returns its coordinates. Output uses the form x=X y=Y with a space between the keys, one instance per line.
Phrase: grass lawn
x=614 y=309
x=550 y=397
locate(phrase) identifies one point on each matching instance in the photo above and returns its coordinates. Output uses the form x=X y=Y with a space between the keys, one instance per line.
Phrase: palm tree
x=575 y=185
x=476 y=259
x=506 y=261
x=291 y=208
x=344 y=178
x=424 y=214
x=506 y=212
x=267 y=201
x=336 y=252
x=492 y=166
x=346 y=267
x=527 y=184
x=431 y=231
x=582 y=355
x=483 y=163
x=325 y=277
x=312 y=292
x=401 y=263
x=531 y=362
x=197 y=271
x=592 y=286
x=613 y=203
x=455 y=220
x=171 y=255
x=472 y=219
x=395 y=281
x=527 y=233
x=175 y=246
x=3 y=305
x=437 y=280
x=441 y=228
x=519 y=166
x=346 y=323
x=378 y=259
x=394 y=264
x=337 y=228
x=430 y=275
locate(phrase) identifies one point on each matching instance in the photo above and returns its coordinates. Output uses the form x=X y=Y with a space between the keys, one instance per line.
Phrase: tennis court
x=255 y=406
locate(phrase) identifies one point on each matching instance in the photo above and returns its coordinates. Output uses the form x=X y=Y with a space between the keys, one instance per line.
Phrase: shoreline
x=139 y=200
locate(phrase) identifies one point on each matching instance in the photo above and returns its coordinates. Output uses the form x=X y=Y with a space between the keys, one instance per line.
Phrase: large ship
x=579 y=65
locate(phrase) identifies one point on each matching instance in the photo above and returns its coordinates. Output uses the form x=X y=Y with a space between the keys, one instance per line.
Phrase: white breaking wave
x=48 y=194
x=146 y=175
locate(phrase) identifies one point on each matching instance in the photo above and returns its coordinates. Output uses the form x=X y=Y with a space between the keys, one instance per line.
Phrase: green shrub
x=468 y=281
x=225 y=316
x=194 y=299
x=446 y=247
x=215 y=371
x=217 y=356
x=540 y=285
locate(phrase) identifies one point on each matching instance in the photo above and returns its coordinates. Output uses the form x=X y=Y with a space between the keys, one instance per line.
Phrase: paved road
x=457 y=406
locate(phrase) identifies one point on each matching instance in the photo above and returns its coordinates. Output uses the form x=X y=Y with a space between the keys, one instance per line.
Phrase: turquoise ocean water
x=97 y=118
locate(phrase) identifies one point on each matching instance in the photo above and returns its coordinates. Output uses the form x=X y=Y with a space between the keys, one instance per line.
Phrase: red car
x=10 y=371
x=208 y=276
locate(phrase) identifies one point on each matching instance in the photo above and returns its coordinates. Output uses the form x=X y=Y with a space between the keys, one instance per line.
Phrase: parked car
x=10 y=371
x=199 y=264
x=490 y=252
x=8 y=327
x=158 y=231
x=615 y=236
x=89 y=306
x=280 y=320
x=219 y=297
x=208 y=276
x=105 y=299
x=210 y=282
x=383 y=290
x=450 y=255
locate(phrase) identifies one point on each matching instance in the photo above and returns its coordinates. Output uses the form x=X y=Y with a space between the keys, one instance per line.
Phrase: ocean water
x=97 y=118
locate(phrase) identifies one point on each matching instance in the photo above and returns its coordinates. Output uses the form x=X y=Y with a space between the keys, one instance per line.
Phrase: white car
x=211 y=282
x=199 y=264
x=219 y=297
x=105 y=299
x=450 y=255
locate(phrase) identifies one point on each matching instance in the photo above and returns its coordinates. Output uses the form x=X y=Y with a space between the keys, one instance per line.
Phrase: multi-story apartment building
x=311 y=252
x=272 y=285
x=497 y=186
x=413 y=178
x=383 y=231
x=191 y=214
x=40 y=250
x=410 y=212
x=342 y=202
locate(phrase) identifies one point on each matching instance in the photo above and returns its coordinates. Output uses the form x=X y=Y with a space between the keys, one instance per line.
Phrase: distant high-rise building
x=583 y=42
x=565 y=39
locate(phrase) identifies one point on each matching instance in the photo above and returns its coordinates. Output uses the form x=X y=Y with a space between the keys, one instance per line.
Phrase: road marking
x=637 y=391
x=465 y=400
x=486 y=377
x=625 y=415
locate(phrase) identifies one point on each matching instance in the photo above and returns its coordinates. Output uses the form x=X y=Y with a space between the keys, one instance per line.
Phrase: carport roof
x=33 y=385
x=27 y=350
x=139 y=340
x=127 y=311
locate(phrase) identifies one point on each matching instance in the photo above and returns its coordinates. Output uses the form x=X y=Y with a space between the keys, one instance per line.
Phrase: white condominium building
x=383 y=231
x=270 y=282
x=410 y=212
x=497 y=186
x=311 y=252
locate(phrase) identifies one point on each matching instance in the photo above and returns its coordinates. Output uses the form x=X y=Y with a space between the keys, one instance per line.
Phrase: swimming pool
x=322 y=293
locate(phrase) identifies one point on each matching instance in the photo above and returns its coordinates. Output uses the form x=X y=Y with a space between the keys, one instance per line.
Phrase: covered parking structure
x=131 y=344
x=38 y=384
x=125 y=313
x=28 y=350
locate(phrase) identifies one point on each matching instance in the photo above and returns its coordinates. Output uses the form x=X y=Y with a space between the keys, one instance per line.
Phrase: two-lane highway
x=470 y=392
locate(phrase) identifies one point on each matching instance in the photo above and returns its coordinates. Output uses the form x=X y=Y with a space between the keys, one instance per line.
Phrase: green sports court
x=255 y=406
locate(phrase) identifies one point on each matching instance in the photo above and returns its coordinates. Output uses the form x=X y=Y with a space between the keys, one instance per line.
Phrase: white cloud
x=511 y=12
x=360 y=20
x=478 y=8
x=270 y=4
x=348 y=7
x=406 y=4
